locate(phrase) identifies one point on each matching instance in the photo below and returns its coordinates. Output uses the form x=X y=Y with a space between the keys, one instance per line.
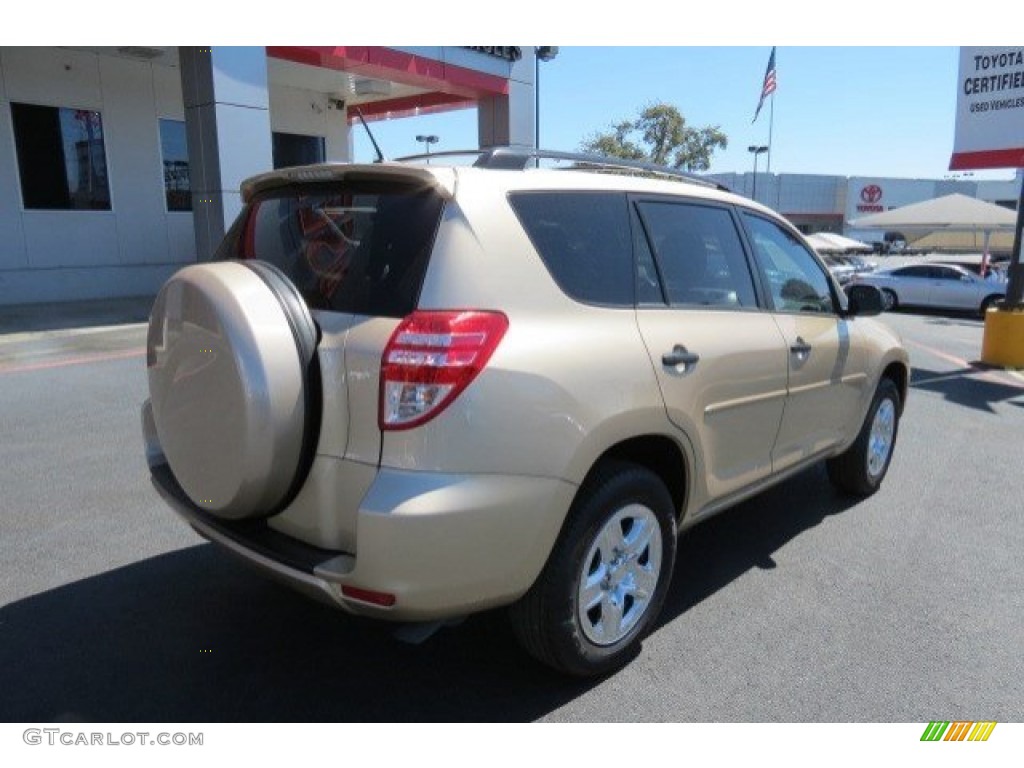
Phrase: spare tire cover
x=227 y=381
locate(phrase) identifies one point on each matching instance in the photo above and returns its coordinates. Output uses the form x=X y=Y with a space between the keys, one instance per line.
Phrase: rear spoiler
x=441 y=179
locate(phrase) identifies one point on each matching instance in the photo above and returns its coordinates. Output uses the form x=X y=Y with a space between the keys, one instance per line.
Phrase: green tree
x=659 y=135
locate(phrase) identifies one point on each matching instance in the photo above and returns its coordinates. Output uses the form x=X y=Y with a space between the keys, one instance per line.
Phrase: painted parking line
x=1008 y=378
x=82 y=360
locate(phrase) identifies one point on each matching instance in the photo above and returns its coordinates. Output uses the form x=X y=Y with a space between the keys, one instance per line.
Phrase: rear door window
x=360 y=248
x=700 y=254
x=584 y=240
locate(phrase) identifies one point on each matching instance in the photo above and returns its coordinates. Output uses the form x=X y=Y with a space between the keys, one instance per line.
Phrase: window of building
x=291 y=149
x=174 y=149
x=61 y=158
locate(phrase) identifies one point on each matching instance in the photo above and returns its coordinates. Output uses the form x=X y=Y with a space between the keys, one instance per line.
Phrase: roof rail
x=520 y=158
x=443 y=153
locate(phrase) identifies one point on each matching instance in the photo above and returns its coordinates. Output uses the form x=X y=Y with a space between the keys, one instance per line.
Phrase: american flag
x=769 y=84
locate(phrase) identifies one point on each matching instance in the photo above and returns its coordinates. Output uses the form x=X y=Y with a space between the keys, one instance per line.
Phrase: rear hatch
x=354 y=243
x=357 y=250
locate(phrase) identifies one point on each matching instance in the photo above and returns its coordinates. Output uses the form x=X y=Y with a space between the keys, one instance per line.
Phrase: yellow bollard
x=1003 y=340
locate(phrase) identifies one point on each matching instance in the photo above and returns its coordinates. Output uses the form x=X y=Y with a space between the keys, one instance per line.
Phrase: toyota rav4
x=420 y=391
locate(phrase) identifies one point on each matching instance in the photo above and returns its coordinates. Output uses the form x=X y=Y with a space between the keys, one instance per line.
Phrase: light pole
x=427 y=141
x=755 y=150
x=540 y=53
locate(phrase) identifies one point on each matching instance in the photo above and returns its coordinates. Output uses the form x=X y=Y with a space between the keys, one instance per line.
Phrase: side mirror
x=864 y=300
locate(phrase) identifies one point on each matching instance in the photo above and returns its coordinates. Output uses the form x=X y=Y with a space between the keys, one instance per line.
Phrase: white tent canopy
x=829 y=242
x=950 y=213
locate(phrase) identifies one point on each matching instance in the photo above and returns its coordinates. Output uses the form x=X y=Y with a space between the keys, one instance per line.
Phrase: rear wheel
x=889 y=300
x=859 y=471
x=607 y=577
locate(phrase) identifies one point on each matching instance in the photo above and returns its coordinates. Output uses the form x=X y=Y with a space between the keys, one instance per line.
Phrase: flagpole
x=771 y=124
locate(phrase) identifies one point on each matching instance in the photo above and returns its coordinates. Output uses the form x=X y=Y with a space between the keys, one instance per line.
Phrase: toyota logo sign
x=871 y=194
x=870 y=197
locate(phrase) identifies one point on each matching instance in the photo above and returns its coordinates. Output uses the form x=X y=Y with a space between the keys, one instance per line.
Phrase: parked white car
x=942 y=286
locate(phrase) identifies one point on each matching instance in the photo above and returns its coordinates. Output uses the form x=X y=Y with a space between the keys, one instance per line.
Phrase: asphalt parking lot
x=795 y=606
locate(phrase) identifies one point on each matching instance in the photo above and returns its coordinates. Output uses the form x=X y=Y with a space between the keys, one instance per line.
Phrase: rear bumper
x=286 y=559
x=443 y=545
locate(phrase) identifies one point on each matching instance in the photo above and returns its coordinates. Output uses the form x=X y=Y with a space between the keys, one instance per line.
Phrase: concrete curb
x=77 y=316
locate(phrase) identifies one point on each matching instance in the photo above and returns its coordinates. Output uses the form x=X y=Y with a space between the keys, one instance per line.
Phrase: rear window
x=361 y=248
x=585 y=242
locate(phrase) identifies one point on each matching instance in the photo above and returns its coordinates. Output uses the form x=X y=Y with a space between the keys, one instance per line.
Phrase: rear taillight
x=430 y=358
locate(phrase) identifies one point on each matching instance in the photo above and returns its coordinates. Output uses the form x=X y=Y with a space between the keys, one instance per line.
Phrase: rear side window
x=361 y=248
x=584 y=240
x=700 y=254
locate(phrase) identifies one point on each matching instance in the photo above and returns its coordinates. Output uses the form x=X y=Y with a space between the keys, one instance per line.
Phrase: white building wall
x=1004 y=192
x=310 y=113
x=67 y=255
x=806 y=193
x=868 y=195
x=12 y=233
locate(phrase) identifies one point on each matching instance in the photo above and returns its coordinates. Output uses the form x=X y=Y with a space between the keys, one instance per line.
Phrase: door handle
x=680 y=355
x=800 y=348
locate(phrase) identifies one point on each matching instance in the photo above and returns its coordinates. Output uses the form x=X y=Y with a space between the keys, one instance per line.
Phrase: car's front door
x=913 y=284
x=953 y=289
x=720 y=359
x=826 y=372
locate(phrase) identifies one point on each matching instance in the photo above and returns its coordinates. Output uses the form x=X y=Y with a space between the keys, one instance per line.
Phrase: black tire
x=989 y=302
x=618 y=499
x=859 y=470
x=890 y=301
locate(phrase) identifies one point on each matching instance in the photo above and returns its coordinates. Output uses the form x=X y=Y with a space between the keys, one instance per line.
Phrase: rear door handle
x=680 y=355
x=801 y=348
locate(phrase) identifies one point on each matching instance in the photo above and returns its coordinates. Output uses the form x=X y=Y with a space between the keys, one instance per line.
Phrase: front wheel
x=890 y=302
x=859 y=470
x=989 y=302
x=607 y=577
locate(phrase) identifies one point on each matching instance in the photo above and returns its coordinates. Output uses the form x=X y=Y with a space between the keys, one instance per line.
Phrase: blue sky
x=852 y=111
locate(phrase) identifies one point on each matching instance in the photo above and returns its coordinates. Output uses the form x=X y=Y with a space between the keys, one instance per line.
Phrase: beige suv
x=419 y=392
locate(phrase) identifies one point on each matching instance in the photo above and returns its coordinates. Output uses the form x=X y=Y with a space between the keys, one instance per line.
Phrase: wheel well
x=992 y=297
x=898 y=373
x=658 y=453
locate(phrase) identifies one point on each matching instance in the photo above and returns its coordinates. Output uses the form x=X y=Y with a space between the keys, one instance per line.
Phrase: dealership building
x=818 y=203
x=118 y=165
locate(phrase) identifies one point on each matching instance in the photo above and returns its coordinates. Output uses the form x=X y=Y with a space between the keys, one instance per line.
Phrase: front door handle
x=801 y=348
x=680 y=355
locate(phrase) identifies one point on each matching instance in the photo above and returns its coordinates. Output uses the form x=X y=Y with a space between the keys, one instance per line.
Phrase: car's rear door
x=720 y=360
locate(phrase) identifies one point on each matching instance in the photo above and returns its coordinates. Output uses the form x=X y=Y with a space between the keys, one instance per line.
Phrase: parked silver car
x=942 y=286
x=841 y=269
